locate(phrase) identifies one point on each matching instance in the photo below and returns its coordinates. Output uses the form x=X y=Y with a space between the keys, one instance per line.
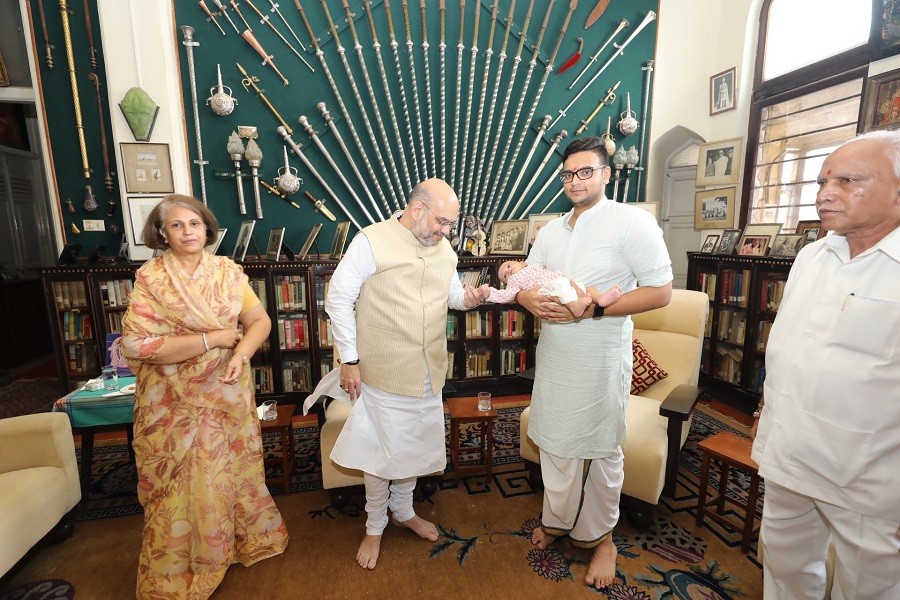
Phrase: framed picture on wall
x=340 y=238
x=881 y=102
x=884 y=36
x=720 y=162
x=721 y=92
x=509 y=237
x=139 y=209
x=535 y=222
x=147 y=167
x=714 y=209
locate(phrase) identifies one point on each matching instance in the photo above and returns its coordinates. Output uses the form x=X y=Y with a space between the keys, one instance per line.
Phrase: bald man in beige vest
x=388 y=302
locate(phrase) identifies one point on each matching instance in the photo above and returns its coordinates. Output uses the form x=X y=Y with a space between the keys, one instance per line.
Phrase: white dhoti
x=581 y=497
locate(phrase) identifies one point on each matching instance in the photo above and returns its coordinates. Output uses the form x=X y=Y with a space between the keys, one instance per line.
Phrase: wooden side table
x=285 y=426
x=464 y=411
x=732 y=451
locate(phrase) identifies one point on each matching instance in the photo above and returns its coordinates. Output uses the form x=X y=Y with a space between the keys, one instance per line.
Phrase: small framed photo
x=714 y=209
x=535 y=222
x=304 y=250
x=730 y=239
x=709 y=243
x=788 y=245
x=509 y=237
x=139 y=208
x=245 y=234
x=122 y=256
x=721 y=92
x=276 y=237
x=769 y=230
x=813 y=230
x=754 y=245
x=148 y=169
x=213 y=246
x=340 y=238
x=881 y=102
x=720 y=162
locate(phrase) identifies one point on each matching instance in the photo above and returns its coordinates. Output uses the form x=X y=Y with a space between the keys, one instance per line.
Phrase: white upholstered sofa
x=39 y=485
x=659 y=419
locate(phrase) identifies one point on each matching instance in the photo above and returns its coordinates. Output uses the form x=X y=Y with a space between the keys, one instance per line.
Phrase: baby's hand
x=484 y=290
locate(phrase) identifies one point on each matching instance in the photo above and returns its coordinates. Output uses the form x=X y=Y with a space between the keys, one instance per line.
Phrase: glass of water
x=110 y=377
x=484 y=401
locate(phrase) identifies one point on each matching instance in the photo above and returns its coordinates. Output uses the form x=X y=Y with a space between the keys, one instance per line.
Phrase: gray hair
x=891 y=141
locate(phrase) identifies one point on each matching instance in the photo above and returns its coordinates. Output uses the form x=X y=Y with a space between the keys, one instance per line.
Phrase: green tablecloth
x=93 y=408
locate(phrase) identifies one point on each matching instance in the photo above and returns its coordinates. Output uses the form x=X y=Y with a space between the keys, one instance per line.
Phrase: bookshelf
x=744 y=294
x=486 y=346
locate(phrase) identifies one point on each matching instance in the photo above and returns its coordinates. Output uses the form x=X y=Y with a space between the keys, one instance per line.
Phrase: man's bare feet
x=541 y=539
x=602 y=570
x=368 y=552
x=424 y=529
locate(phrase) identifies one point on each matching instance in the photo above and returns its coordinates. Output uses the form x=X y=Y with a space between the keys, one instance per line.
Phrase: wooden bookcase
x=744 y=294
x=487 y=346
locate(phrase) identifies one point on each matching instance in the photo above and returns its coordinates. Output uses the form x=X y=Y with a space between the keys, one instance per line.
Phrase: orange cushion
x=645 y=371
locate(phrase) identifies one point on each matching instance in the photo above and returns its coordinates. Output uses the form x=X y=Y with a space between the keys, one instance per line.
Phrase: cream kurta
x=584 y=367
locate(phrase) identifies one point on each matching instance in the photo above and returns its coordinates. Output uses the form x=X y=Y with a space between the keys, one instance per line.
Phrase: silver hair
x=891 y=141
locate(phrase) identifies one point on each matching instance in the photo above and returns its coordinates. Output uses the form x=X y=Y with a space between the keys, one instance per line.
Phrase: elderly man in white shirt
x=827 y=441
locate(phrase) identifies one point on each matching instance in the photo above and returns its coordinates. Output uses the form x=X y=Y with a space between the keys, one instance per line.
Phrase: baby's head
x=509 y=268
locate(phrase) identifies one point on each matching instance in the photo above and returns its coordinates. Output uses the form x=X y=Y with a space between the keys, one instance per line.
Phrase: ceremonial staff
x=443 y=48
x=210 y=16
x=362 y=108
x=553 y=199
x=404 y=5
x=545 y=123
x=357 y=47
x=235 y=148
x=459 y=61
x=515 y=121
x=89 y=28
x=487 y=67
x=620 y=50
x=468 y=116
x=428 y=106
x=296 y=149
x=79 y=125
x=490 y=118
x=343 y=107
x=275 y=10
x=107 y=180
x=553 y=176
x=224 y=12
x=189 y=44
x=607 y=99
x=512 y=80
x=622 y=25
x=265 y=19
x=48 y=49
x=398 y=137
x=645 y=101
x=404 y=104
x=556 y=142
x=254 y=157
x=315 y=138
x=249 y=81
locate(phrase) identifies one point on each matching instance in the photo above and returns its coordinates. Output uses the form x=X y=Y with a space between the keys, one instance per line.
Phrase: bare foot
x=424 y=529
x=367 y=555
x=541 y=539
x=602 y=570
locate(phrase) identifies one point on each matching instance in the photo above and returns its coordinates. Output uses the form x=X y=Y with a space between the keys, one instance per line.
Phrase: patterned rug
x=28 y=396
x=39 y=590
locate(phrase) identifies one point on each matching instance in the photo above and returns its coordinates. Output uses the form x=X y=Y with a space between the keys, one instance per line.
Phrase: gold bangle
x=246 y=358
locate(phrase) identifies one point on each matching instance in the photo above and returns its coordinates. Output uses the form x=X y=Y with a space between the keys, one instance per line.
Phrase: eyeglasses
x=441 y=221
x=583 y=173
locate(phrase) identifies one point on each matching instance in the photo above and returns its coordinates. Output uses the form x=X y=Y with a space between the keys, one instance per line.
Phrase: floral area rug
x=57 y=589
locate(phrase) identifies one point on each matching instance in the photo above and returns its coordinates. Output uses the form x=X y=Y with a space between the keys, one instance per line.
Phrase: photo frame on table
x=310 y=239
x=754 y=245
x=276 y=237
x=709 y=243
x=788 y=245
x=719 y=162
x=884 y=36
x=510 y=237
x=139 y=208
x=213 y=247
x=768 y=229
x=809 y=228
x=881 y=102
x=714 y=209
x=535 y=222
x=245 y=234
x=122 y=255
x=340 y=238
x=722 y=88
x=147 y=167
x=730 y=239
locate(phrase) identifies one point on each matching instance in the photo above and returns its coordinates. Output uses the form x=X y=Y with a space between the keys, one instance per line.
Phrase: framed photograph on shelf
x=304 y=250
x=788 y=245
x=509 y=237
x=714 y=209
x=273 y=250
x=754 y=245
x=884 y=36
x=722 y=92
x=340 y=238
x=881 y=102
x=709 y=243
x=730 y=239
x=769 y=230
x=213 y=247
x=813 y=230
x=245 y=234
x=148 y=169
x=535 y=222
x=720 y=162
x=139 y=209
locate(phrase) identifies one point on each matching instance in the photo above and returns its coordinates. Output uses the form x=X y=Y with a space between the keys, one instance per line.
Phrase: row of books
x=762 y=334
x=322 y=284
x=76 y=326
x=732 y=326
x=728 y=364
x=259 y=288
x=69 y=294
x=512 y=359
x=759 y=375
x=296 y=375
x=262 y=380
x=115 y=292
x=479 y=324
x=326 y=336
x=735 y=288
x=512 y=323
x=707 y=283
x=478 y=362
x=82 y=358
x=771 y=292
x=114 y=322
x=293 y=334
x=474 y=278
x=290 y=292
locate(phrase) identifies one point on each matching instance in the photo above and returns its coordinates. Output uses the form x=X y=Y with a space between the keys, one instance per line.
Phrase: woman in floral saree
x=197 y=441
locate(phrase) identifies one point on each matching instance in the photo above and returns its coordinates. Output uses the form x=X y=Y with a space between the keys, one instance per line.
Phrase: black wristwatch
x=598 y=311
x=350 y=362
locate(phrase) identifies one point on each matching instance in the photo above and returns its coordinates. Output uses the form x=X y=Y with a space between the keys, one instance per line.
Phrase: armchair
x=659 y=419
